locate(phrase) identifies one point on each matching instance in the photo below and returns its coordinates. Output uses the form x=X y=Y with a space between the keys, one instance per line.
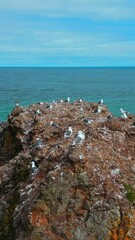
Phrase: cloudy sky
x=67 y=33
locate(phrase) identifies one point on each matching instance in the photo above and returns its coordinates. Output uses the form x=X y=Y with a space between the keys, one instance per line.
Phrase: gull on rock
x=68 y=132
x=68 y=99
x=38 y=144
x=79 y=99
x=41 y=103
x=16 y=104
x=53 y=124
x=88 y=121
x=38 y=112
x=34 y=168
x=124 y=113
x=51 y=106
x=101 y=102
x=79 y=138
x=98 y=110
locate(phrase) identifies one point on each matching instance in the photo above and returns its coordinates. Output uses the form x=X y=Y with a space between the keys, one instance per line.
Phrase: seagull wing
x=77 y=140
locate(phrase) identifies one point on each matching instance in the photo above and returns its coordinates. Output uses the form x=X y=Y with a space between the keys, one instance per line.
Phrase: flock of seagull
x=80 y=137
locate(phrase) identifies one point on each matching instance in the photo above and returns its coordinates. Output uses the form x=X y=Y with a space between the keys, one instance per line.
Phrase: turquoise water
x=31 y=85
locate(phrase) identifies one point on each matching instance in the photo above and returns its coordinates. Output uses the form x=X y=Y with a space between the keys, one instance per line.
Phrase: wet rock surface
x=80 y=189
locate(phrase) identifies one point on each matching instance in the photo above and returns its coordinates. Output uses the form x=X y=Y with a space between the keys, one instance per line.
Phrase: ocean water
x=30 y=85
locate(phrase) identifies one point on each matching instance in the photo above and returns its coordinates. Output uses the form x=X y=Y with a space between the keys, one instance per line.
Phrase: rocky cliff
x=79 y=188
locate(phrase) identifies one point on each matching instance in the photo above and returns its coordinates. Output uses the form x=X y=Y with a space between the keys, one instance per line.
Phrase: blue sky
x=67 y=33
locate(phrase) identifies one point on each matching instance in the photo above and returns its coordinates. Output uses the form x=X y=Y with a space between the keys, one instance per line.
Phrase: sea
x=28 y=85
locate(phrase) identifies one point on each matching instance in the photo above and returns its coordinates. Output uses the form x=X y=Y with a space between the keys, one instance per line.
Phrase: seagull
x=53 y=124
x=16 y=104
x=38 y=111
x=81 y=111
x=124 y=113
x=67 y=100
x=88 y=121
x=79 y=99
x=41 y=103
x=79 y=138
x=81 y=156
x=101 y=102
x=34 y=168
x=38 y=144
x=98 y=110
x=68 y=132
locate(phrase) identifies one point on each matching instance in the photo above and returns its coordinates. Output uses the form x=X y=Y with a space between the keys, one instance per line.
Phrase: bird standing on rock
x=38 y=144
x=88 y=121
x=38 y=112
x=79 y=99
x=68 y=132
x=68 y=99
x=98 y=109
x=34 y=168
x=79 y=138
x=124 y=113
x=16 y=104
x=101 y=102
x=53 y=124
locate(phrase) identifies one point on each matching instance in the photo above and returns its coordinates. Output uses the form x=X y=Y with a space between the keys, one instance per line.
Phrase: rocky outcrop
x=81 y=191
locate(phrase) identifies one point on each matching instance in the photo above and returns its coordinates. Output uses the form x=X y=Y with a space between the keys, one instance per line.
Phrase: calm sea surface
x=31 y=85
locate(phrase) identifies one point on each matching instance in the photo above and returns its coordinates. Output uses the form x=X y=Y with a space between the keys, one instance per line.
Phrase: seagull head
x=80 y=133
x=122 y=111
x=33 y=164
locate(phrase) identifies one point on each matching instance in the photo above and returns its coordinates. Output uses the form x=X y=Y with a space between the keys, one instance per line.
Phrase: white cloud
x=69 y=44
x=106 y=9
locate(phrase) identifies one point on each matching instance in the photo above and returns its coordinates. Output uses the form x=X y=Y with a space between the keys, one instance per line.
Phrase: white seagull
x=79 y=99
x=41 y=103
x=124 y=113
x=53 y=124
x=88 y=121
x=51 y=106
x=33 y=166
x=16 y=104
x=98 y=109
x=68 y=132
x=38 y=112
x=101 y=102
x=79 y=138
x=38 y=144
x=68 y=99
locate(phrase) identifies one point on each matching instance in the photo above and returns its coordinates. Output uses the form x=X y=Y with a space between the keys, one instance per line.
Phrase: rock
x=80 y=192
x=133 y=168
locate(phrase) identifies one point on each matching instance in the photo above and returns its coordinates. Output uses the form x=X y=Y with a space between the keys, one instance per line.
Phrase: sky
x=67 y=33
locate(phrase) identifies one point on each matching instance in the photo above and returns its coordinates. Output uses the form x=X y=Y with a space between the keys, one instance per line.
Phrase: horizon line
x=67 y=66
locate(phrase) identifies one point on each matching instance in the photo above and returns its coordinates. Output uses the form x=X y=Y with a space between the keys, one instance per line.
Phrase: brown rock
x=78 y=192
